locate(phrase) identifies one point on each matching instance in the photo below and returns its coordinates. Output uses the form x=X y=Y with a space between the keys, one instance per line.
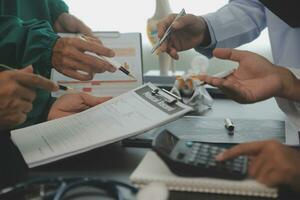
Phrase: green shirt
x=27 y=37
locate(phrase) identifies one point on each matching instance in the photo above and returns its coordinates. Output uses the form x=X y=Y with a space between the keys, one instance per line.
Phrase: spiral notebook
x=153 y=169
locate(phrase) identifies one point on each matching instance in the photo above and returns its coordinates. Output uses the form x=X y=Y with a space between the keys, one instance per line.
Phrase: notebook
x=153 y=169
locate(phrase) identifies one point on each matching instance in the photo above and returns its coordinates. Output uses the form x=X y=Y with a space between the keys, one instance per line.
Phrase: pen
x=172 y=95
x=221 y=75
x=229 y=126
x=111 y=61
x=61 y=87
x=168 y=31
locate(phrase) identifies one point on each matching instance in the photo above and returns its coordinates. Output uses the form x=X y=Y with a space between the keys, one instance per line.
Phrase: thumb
x=91 y=101
x=27 y=69
x=230 y=54
x=184 y=21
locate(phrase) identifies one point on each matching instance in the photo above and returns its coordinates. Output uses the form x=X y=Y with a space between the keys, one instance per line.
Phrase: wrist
x=288 y=83
x=206 y=39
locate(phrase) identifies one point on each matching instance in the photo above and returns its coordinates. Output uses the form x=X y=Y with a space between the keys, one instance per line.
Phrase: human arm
x=25 y=42
x=237 y=23
x=271 y=163
x=30 y=42
x=64 y=22
x=255 y=79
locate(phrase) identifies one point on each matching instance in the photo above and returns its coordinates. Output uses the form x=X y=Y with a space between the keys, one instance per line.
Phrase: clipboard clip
x=170 y=101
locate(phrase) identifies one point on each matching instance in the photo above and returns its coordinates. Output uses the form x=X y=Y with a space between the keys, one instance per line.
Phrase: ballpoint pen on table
x=221 y=75
x=168 y=31
x=111 y=61
x=61 y=87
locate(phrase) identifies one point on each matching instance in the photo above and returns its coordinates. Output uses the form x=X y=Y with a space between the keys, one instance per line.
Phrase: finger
x=230 y=54
x=184 y=21
x=234 y=91
x=256 y=167
x=92 y=100
x=75 y=65
x=25 y=93
x=14 y=119
x=100 y=64
x=97 y=65
x=28 y=69
x=163 y=47
x=73 y=73
x=230 y=87
x=214 y=81
x=92 y=38
x=22 y=106
x=164 y=24
x=35 y=81
x=242 y=149
x=173 y=53
x=93 y=47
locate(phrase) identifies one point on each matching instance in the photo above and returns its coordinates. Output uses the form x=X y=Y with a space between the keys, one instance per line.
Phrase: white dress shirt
x=241 y=21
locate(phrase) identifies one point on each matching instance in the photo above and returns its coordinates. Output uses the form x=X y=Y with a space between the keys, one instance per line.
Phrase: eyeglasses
x=59 y=187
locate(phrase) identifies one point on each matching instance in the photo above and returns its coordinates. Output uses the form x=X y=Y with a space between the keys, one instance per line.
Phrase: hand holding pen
x=109 y=60
x=69 y=58
x=187 y=31
x=17 y=94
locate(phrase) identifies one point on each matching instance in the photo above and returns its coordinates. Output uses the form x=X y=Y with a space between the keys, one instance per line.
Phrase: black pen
x=61 y=87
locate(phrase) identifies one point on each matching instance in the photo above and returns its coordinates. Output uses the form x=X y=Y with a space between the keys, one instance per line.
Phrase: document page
x=127 y=115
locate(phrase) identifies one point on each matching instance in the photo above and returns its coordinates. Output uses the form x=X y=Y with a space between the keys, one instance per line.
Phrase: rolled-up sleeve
x=56 y=8
x=236 y=23
x=25 y=42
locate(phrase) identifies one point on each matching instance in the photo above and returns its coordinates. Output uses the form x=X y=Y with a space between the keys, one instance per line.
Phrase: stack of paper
x=127 y=115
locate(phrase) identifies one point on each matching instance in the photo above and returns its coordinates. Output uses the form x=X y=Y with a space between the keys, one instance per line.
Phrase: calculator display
x=166 y=142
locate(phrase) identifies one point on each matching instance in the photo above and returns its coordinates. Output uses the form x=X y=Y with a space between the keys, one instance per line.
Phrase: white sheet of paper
x=127 y=47
x=127 y=115
x=291 y=133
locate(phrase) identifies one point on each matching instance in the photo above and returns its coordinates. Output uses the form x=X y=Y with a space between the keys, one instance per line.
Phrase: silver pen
x=168 y=31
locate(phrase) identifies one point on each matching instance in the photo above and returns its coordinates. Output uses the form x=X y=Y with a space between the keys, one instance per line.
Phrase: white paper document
x=124 y=116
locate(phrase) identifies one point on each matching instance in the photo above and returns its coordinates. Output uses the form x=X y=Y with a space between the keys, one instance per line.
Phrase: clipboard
x=127 y=115
x=128 y=49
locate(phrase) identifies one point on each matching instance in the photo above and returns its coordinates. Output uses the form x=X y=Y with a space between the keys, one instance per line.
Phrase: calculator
x=196 y=159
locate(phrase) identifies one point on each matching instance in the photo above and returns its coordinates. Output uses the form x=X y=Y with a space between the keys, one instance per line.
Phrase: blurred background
x=132 y=16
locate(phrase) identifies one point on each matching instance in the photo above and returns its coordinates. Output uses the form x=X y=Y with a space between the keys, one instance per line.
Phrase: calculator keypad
x=203 y=156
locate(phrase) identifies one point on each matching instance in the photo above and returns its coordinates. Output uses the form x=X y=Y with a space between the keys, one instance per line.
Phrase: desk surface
x=115 y=162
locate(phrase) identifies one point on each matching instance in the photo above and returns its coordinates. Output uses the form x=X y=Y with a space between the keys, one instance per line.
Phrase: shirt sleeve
x=56 y=8
x=236 y=23
x=26 y=42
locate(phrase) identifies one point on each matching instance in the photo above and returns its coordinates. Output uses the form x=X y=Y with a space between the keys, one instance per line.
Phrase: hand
x=73 y=103
x=17 y=94
x=67 y=23
x=69 y=58
x=189 y=32
x=255 y=79
x=271 y=163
